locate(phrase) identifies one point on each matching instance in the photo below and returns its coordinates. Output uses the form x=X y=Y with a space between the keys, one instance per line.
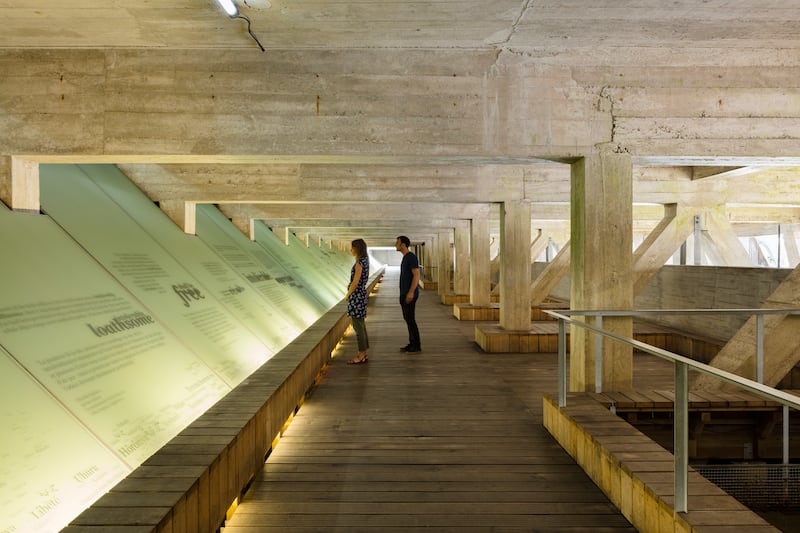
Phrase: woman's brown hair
x=360 y=246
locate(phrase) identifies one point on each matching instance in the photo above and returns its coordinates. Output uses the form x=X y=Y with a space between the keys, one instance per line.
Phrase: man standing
x=409 y=292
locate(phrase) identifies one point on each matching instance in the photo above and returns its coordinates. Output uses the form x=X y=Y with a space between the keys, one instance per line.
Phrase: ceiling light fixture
x=233 y=12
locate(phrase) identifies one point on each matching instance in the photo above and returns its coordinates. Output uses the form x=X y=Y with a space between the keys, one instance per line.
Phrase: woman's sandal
x=359 y=359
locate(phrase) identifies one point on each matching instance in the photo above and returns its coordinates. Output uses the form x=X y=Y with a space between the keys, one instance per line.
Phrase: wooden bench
x=638 y=475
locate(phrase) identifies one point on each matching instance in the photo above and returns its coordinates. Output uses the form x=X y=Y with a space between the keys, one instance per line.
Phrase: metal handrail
x=682 y=364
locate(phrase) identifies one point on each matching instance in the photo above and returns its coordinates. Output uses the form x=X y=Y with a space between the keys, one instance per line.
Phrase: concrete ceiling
x=543 y=27
x=569 y=32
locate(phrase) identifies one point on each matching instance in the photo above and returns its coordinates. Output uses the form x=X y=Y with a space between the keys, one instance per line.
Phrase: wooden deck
x=450 y=439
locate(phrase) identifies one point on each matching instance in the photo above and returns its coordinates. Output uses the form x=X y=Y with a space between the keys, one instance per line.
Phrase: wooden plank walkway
x=450 y=439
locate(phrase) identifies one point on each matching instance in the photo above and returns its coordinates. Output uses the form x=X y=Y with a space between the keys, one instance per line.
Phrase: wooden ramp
x=450 y=439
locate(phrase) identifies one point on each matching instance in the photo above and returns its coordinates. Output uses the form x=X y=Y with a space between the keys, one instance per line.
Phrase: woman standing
x=357 y=299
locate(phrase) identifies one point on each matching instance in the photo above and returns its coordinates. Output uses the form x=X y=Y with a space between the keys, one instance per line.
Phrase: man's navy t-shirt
x=407 y=265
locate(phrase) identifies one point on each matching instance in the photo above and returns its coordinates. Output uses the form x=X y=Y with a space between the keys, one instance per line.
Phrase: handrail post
x=760 y=348
x=562 y=363
x=681 y=437
x=786 y=434
x=598 y=356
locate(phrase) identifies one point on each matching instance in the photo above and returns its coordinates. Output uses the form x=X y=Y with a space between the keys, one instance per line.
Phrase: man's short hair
x=403 y=239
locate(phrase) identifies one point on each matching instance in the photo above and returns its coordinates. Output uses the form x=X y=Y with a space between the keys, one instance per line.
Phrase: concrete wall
x=698 y=287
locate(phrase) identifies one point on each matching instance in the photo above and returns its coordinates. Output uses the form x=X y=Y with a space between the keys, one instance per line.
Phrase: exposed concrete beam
x=552 y=274
x=780 y=333
x=344 y=224
x=395 y=210
x=721 y=236
x=660 y=244
x=758 y=215
x=722 y=172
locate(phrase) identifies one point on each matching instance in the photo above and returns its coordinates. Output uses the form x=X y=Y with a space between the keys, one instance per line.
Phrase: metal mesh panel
x=758 y=486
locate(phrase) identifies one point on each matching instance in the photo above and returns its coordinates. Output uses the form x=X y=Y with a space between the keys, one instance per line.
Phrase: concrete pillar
x=515 y=265
x=427 y=251
x=461 y=272
x=479 y=265
x=422 y=256
x=601 y=265
x=445 y=260
x=494 y=264
x=433 y=259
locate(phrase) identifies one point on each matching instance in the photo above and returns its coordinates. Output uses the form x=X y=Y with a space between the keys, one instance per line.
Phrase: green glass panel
x=290 y=302
x=51 y=465
x=170 y=292
x=94 y=347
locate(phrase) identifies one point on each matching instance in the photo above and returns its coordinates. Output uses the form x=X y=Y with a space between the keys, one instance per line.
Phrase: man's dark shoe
x=414 y=349
x=405 y=348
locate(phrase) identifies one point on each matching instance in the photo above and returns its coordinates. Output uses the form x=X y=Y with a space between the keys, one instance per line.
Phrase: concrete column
x=515 y=265
x=601 y=265
x=422 y=257
x=462 y=250
x=433 y=259
x=494 y=264
x=479 y=264
x=426 y=252
x=445 y=260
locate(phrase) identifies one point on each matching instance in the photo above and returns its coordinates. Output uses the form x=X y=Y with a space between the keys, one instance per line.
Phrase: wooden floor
x=450 y=439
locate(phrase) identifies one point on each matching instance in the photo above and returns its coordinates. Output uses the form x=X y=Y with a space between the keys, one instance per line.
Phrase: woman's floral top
x=357 y=303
